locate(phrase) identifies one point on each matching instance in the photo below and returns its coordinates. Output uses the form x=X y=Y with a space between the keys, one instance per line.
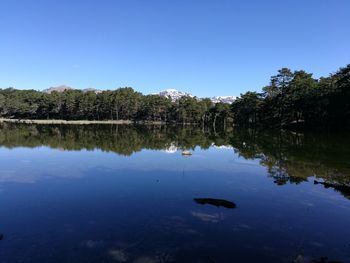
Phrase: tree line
x=291 y=98
x=120 y=104
x=295 y=98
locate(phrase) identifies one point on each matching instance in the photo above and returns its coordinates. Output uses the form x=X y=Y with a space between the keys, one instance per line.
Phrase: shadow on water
x=215 y=202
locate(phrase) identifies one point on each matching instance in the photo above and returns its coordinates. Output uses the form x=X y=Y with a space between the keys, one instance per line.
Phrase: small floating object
x=1 y=236
x=187 y=153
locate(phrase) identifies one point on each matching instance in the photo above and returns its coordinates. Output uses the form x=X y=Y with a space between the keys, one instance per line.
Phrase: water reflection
x=292 y=157
x=289 y=157
x=343 y=189
x=126 y=194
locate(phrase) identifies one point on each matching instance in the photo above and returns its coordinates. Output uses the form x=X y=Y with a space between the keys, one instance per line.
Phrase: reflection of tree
x=342 y=188
x=289 y=157
x=122 y=139
x=292 y=157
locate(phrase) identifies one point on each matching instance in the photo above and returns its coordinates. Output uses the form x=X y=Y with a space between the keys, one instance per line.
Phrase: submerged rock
x=216 y=202
x=325 y=260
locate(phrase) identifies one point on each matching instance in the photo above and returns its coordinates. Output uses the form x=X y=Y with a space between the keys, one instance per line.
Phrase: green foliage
x=291 y=99
x=297 y=99
x=247 y=109
x=120 y=104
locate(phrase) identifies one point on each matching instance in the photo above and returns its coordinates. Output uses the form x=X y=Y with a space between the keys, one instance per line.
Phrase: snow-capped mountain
x=63 y=88
x=223 y=99
x=92 y=89
x=174 y=95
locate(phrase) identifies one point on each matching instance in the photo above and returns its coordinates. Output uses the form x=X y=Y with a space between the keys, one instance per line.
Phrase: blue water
x=95 y=205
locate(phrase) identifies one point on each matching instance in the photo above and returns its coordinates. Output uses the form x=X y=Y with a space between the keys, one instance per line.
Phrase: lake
x=119 y=193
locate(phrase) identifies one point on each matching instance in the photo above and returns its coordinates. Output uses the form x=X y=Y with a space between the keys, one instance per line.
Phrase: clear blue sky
x=206 y=47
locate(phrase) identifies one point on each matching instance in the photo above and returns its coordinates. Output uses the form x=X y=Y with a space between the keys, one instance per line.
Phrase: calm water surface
x=126 y=194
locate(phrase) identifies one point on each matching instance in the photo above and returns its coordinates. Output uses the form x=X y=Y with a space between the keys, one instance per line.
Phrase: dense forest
x=120 y=104
x=296 y=98
x=292 y=98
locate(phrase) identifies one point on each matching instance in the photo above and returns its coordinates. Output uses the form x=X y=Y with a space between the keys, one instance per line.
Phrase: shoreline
x=78 y=122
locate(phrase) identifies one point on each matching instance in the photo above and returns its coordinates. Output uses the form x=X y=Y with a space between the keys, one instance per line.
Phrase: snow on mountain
x=92 y=89
x=61 y=88
x=223 y=99
x=174 y=95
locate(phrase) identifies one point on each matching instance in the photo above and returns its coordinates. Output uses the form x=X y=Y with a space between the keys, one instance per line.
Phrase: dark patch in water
x=325 y=260
x=216 y=202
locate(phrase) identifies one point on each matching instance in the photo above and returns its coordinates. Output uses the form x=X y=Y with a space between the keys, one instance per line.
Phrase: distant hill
x=174 y=95
x=223 y=99
x=93 y=90
x=63 y=88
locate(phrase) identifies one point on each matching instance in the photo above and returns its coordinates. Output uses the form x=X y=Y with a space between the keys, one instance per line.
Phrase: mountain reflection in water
x=288 y=156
